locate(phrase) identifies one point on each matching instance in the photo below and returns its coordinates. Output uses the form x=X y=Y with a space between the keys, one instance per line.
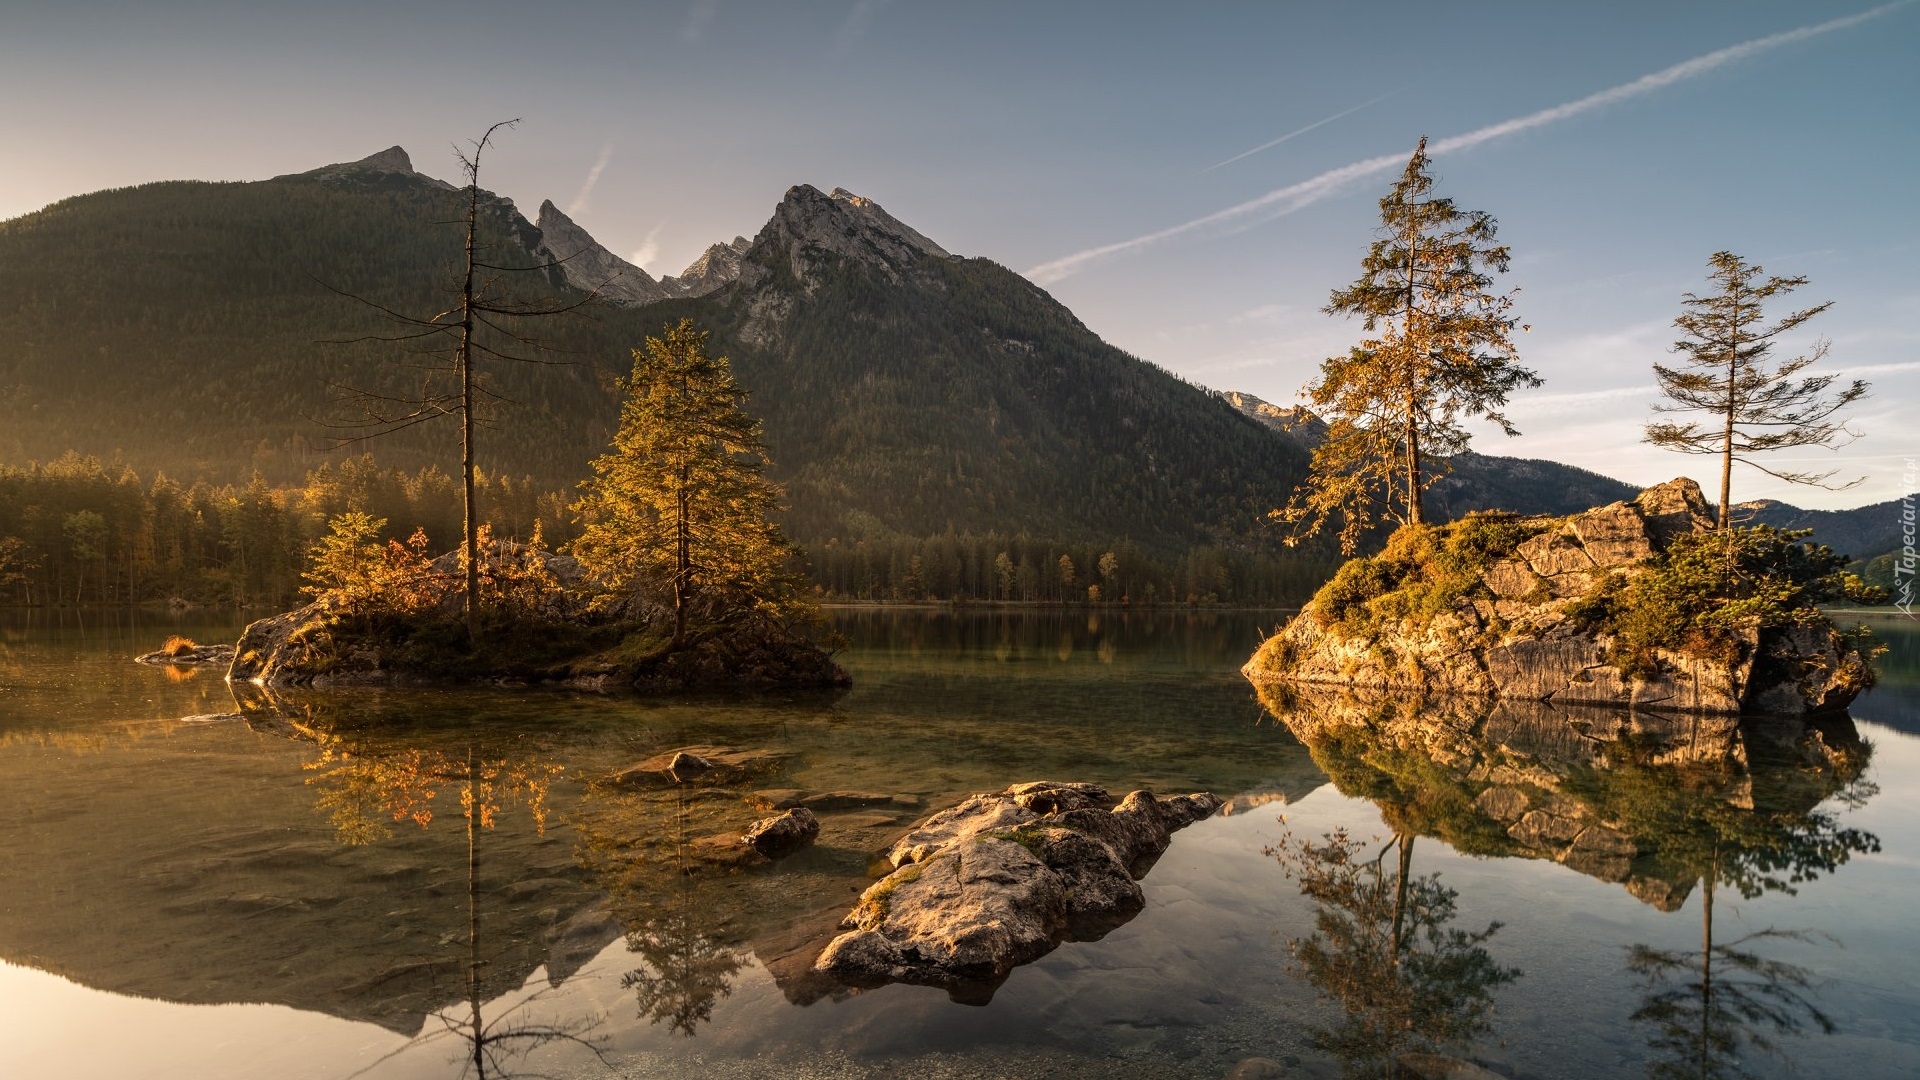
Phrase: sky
x=1193 y=180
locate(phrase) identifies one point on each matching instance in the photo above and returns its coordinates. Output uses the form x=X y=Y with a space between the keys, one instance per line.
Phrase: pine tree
x=1754 y=407
x=1439 y=352
x=679 y=505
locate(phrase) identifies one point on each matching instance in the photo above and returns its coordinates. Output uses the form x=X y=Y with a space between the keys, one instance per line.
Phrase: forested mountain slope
x=201 y=328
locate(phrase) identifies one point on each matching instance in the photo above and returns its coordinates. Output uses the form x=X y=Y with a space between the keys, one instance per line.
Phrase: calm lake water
x=288 y=887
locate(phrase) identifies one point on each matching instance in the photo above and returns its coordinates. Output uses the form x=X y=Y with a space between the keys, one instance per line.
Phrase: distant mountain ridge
x=1476 y=482
x=1534 y=485
x=906 y=391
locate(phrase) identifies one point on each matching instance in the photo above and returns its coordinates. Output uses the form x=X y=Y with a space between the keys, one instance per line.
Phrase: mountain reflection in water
x=1658 y=803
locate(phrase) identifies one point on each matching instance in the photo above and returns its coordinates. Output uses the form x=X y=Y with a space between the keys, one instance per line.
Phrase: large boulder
x=1001 y=880
x=297 y=648
x=1513 y=635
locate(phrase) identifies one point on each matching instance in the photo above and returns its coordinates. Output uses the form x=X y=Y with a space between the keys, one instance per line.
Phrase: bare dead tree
x=454 y=336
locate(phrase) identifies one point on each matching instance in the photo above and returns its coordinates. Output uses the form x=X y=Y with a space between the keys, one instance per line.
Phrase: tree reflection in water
x=1658 y=803
x=1383 y=951
x=1713 y=1008
x=365 y=790
x=686 y=970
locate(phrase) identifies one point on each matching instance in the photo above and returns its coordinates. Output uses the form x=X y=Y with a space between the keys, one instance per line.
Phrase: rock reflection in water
x=1660 y=804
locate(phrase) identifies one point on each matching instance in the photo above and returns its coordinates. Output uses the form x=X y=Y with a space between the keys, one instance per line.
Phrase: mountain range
x=222 y=328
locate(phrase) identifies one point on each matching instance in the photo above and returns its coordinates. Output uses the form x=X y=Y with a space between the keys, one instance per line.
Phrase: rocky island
x=1638 y=603
x=542 y=629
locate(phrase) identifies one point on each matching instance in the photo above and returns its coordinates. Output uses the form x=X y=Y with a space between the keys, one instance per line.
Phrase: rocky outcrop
x=1513 y=637
x=1001 y=880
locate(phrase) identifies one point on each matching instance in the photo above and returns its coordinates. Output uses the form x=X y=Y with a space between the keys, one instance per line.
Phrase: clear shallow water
x=233 y=896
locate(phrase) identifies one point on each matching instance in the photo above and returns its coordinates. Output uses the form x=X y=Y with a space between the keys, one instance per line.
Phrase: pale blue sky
x=1032 y=133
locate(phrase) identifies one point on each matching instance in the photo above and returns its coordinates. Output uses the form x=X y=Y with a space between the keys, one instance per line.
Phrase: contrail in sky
x=1286 y=200
x=579 y=203
x=1298 y=133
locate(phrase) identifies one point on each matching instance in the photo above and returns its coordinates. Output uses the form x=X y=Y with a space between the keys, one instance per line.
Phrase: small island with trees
x=1663 y=602
x=679 y=580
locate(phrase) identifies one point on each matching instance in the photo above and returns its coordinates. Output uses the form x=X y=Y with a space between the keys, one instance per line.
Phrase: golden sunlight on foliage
x=363 y=795
x=178 y=646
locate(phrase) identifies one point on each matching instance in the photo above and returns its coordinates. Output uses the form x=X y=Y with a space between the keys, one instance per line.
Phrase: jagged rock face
x=587 y=265
x=808 y=229
x=716 y=266
x=1296 y=422
x=1521 y=644
x=1002 y=879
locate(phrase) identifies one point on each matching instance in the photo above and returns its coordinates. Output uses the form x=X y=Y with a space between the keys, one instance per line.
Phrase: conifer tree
x=679 y=505
x=1752 y=406
x=1439 y=351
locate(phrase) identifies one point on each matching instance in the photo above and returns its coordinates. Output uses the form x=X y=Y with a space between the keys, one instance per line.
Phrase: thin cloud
x=579 y=203
x=1298 y=132
x=854 y=26
x=649 y=248
x=699 y=17
x=1293 y=197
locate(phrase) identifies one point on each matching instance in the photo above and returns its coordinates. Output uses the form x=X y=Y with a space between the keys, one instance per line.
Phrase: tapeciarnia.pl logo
x=1903 y=566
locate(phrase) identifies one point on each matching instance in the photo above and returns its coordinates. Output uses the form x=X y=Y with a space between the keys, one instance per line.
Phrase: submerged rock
x=1001 y=880
x=1516 y=634
x=780 y=836
x=188 y=655
x=703 y=764
x=1425 y=1066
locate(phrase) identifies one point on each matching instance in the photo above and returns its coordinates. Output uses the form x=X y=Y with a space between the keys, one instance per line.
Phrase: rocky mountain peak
x=588 y=265
x=391 y=161
x=1296 y=422
x=809 y=224
x=716 y=266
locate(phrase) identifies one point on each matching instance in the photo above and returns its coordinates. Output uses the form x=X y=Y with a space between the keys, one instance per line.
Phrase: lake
x=288 y=885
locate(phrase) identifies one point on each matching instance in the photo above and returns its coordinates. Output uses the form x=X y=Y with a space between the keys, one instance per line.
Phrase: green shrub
x=1424 y=571
x=1709 y=591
